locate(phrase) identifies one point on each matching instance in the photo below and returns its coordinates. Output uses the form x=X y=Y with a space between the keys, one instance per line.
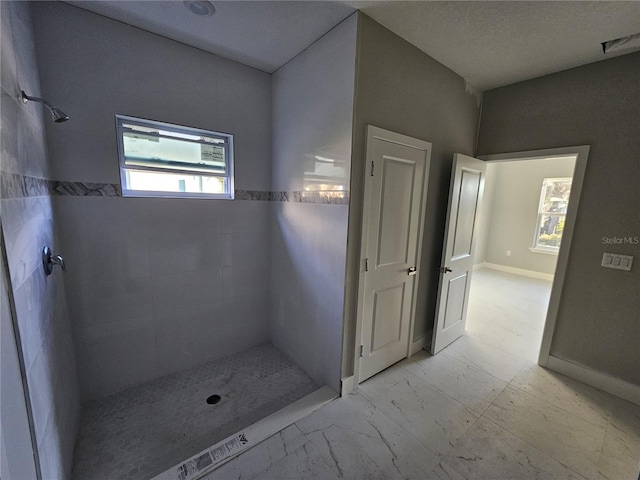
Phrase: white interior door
x=395 y=193
x=465 y=194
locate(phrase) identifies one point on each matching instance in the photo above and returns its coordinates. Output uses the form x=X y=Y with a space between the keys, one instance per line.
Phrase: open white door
x=465 y=194
x=395 y=195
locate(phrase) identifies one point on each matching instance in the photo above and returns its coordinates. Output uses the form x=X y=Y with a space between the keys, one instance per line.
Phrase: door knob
x=445 y=270
x=49 y=260
x=412 y=271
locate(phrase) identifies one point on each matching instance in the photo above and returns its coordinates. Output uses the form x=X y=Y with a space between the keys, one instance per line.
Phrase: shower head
x=57 y=114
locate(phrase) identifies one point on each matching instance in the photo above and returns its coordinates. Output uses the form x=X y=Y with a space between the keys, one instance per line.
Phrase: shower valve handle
x=49 y=260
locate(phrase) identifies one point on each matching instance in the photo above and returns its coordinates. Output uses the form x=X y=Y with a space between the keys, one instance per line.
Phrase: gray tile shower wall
x=154 y=286
x=28 y=223
x=312 y=121
x=160 y=286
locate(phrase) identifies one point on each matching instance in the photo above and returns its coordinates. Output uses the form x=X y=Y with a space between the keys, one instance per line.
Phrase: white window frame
x=169 y=127
x=541 y=213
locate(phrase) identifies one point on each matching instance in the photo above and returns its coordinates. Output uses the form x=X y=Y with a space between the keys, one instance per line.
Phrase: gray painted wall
x=399 y=88
x=514 y=213
x=28 y=224
x=598 y=323
x=154 y=285
x=312 y=116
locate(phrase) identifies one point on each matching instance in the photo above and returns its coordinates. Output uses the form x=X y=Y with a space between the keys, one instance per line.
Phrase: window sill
x=161 y=194
x=543 y=250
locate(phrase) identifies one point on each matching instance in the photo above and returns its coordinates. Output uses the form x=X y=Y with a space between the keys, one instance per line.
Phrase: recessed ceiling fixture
x=202 y=8
x=619 y=44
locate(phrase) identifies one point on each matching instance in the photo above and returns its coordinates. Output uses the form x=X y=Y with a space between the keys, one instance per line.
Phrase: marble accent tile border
x=15 y=185
x=298 y=196
x=262 y=195
x=84 y=189
x=327 y=197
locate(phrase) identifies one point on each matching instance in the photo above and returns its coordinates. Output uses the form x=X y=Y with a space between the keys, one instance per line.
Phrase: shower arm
x=26 y=98
x=57 y=114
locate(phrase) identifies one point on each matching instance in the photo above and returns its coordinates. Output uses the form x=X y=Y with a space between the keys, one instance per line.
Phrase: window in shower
x=164 y=160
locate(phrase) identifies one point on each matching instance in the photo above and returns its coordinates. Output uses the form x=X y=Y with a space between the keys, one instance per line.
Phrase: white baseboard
x=515 y=271
x=607 y=383
x=348 y=385
x=416 y=346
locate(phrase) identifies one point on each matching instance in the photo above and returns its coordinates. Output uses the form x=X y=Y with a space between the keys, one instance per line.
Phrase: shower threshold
x=152 y=428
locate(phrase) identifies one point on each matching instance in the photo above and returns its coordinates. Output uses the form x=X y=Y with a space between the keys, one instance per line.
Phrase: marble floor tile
x=380 y=383
x=359 y=441
x=620 y=455
x=261 y=457
x=489 y=451
x=508 y=312
x=302 y=464
x=570 y=395
x=432 y=417
x=487 y=358
x=470 y=386
x=445 y=472
x=502 y=333
x=625 y=416
x=554 y=431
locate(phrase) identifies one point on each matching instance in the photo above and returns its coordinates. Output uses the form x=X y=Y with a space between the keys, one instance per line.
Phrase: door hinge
x=361 y=350
x=372 y=167
x=366 y=264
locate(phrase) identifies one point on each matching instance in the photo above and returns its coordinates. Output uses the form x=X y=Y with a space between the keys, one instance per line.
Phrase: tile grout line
x=477 y=417
x=475 y=368
x=563 y=411
x=478 y=339
x=478 y=367
x=555 y=405
x=534 y=447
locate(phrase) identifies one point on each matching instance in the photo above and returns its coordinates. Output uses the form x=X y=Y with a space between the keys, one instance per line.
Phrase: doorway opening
x=527 y=218
x=521 y=221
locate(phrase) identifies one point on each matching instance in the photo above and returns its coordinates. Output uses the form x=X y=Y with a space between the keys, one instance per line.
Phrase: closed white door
x=465 y=194
x=395 y=194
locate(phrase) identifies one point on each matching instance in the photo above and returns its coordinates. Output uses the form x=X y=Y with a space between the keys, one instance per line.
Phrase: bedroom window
x=552 y=211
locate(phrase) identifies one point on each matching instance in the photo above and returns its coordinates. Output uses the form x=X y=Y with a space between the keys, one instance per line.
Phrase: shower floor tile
x=140 y=432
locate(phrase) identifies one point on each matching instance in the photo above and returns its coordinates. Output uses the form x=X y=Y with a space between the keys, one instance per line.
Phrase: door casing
x=581 y=153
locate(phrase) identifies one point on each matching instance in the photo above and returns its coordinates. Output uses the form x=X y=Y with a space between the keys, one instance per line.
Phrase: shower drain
x=213 y=399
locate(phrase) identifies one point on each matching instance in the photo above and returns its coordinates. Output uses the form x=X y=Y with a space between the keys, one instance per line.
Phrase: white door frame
x=582 y=153
x=389 y=136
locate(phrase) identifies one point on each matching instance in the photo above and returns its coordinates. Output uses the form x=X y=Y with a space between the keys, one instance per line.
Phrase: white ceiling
x=262 y=34
x=490 y=44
